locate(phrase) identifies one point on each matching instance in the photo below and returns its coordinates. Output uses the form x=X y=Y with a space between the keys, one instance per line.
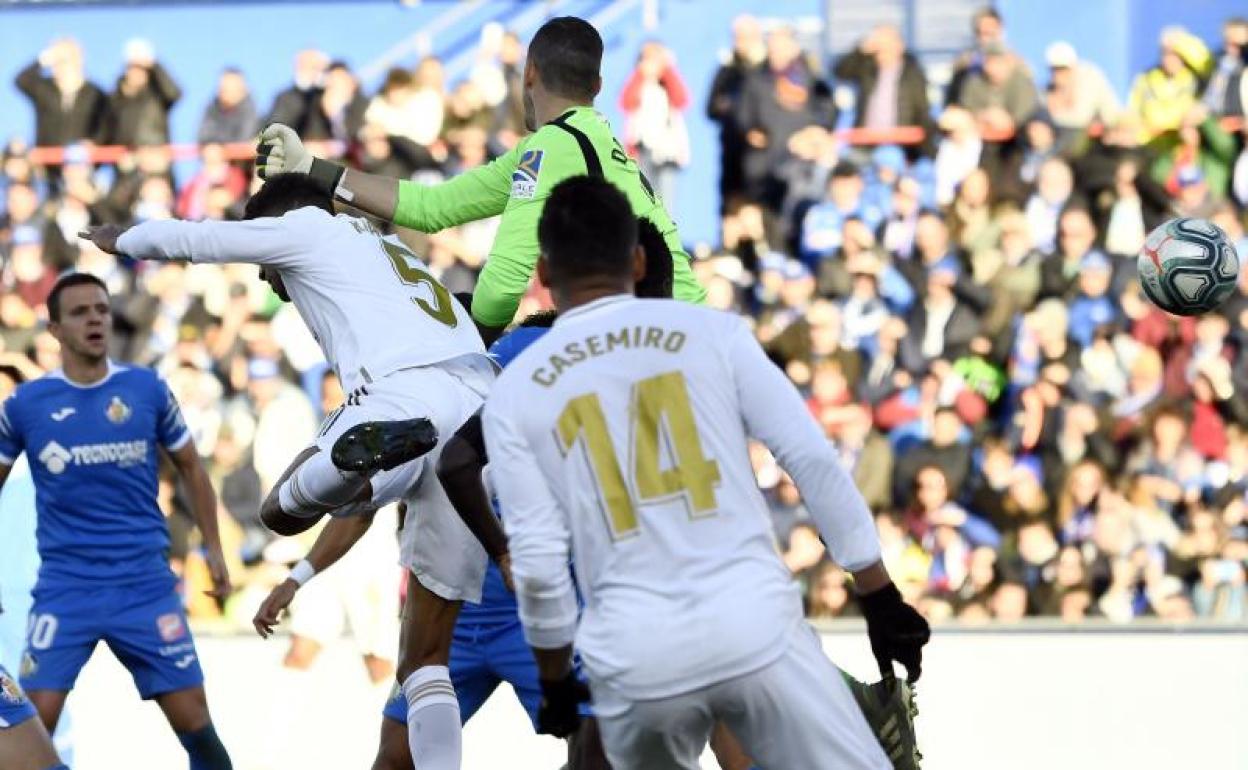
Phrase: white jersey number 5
x=661 y=416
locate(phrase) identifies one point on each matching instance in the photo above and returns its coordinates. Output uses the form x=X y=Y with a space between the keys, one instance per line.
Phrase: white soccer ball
x=1188 y=266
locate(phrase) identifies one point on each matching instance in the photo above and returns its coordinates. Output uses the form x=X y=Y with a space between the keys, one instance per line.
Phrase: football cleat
x=890 y=709
x=371 y=447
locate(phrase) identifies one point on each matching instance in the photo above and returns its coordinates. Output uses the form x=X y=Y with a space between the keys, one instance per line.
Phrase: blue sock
x=205 y=749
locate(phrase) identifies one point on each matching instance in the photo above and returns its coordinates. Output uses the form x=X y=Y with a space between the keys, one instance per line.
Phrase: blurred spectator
x=231 y=115
x=68 y=107
x=1079 y=94
x=1001 y=95
x=1226 y=93
x=779 y=99
x=341 y=105
x=466 y=110
x=509 y=118
x=653 y=102
x=1076 y=236
x=988 y=28
x=296 y=106
x=892 y=89
x=959 y=152
x=411 y=106
x=138 y=108
x=1055 y=183
x=215 y=172
x=1161 y=97
x=1201 y=146
x=823 y=224
x=723 y=105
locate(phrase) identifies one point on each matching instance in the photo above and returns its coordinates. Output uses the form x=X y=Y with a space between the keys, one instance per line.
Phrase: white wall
x=1016 y=700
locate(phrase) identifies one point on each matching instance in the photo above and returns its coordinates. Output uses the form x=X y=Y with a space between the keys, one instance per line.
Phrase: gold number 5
x=661 y=416
x=442 y=310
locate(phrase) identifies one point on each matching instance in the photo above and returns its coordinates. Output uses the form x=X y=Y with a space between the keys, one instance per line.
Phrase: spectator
x=68 y=107
x=296 y=105
x=988 y=28
x=823 y=224
x=653 y=102
x=1001 y=95
x=341 y=105
x=1163 y=95
x=509 y=119
x=1075 y=240
x=215 y=172
x=941 y=325
x=779 y=99
x=892 y=89
x=1226 y=93
x=1201 y=146
x=723 y=105
x=231 y=115
x=1092 y=307
x=1079 y=94
x=1054 y=186
x=466 y=111
x=138 y=109
x=958 y=154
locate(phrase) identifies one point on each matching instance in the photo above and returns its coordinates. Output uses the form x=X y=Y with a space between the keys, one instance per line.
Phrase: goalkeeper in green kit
x=570 y=138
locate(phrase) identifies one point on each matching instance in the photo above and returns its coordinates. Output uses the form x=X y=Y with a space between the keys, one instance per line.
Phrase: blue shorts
x=482 y=657
x=15 y=707
x=143 y=624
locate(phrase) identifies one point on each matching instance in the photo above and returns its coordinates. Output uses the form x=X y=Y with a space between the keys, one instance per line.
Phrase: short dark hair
x=68 y=281
x=587 y=230
x=658 y=281
x=567 y=53
x=287 y=192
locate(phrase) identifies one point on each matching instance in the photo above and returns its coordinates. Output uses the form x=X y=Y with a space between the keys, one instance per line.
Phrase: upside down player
x=690 y=616
x=93 y=430
x=570 y=138
x=355 y=288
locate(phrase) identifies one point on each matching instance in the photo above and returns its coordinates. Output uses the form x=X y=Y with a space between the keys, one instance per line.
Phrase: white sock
x=318 y=486
x=433 y=730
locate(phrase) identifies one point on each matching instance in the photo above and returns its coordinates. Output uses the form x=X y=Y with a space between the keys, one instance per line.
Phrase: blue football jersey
x=498 y=605
x=93 y=455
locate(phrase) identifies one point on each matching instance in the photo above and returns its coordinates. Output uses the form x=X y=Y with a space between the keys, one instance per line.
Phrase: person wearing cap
x=1002 y=95
x=891 y=86
x=138 y=108
x=1094 y=306
x=1079 y=94
x=1163 y=95
x=822 y=226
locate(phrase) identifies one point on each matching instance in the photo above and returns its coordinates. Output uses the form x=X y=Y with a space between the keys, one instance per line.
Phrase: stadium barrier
x=902 y=135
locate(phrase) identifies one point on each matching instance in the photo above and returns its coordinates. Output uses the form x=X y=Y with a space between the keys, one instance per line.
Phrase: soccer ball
x=1188 y=266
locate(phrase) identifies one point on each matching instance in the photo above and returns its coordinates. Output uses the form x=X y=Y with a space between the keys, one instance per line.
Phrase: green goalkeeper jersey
x=516 y=186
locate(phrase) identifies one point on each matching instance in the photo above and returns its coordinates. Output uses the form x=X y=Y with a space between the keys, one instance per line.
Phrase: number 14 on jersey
x=660 y=416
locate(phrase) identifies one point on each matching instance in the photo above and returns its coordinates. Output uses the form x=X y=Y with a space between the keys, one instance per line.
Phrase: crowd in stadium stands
x=959 y=308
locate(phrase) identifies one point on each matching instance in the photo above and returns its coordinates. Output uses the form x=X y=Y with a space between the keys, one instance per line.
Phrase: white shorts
x=436 y=545
x=796 y=713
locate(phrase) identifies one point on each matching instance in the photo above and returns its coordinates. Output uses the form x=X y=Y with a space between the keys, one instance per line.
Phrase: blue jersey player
x=92 y=431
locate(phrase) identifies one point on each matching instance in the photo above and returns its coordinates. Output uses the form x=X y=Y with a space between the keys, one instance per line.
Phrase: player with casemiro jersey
x=570 y=138
x=93 y=431
x=414 y=368
x=620 y=440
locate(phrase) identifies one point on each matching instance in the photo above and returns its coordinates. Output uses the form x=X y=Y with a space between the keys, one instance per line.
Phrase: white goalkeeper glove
x=280 y=151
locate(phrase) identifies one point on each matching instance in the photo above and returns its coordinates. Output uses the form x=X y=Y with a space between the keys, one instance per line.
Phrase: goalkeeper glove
x=280 y=151
x=558 y=714
x=897 y=631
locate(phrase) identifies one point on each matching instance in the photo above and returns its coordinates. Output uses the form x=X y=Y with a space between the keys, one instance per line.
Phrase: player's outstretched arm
x=278 y=241
x=459 y=469
x=338 y=537
x=476 y=194
x=776 y=414
x=204 y=511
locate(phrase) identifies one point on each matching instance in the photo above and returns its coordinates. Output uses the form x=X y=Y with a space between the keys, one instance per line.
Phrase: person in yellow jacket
x=1163 y=95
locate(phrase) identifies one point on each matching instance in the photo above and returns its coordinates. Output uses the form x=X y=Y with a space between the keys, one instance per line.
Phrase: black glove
x=897 y=631
x=558 y=713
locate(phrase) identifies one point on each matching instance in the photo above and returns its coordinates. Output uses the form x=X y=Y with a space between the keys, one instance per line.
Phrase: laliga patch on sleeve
x=524 y=178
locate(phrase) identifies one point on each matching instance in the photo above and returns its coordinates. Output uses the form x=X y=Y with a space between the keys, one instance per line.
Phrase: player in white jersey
x=620 y=439
x=415 y=368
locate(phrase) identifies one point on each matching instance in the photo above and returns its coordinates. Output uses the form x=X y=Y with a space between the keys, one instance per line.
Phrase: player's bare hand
x=104 y=236
x=504 y=566
x=272 y=607
x=219 y=573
